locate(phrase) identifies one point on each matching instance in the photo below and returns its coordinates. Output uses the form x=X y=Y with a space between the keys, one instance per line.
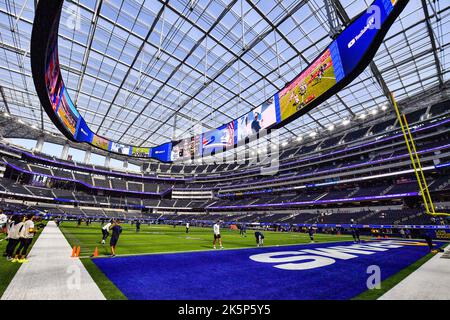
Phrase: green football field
x=163 y=238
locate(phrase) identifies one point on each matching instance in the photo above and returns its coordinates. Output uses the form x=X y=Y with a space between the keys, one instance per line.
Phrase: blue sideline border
x=232 y=275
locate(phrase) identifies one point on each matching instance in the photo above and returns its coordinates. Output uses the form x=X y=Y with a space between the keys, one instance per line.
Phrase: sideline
x=431 y=281
x=51 y=274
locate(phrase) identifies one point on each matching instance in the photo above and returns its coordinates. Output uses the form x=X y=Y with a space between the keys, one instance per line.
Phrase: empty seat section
x=135 y=186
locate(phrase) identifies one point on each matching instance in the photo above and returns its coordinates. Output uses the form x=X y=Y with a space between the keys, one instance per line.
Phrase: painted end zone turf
x=241 y=274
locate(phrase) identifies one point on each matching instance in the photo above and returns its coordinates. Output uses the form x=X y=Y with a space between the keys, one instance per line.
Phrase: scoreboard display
x=335 y=67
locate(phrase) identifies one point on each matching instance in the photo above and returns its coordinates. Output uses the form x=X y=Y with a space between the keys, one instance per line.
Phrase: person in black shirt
x=243 y=231
x=116 y=231
x=138 y=225
x=355 y=231
x=311 y=233
x=427 y=235
x=355 y=234
x=259 y=238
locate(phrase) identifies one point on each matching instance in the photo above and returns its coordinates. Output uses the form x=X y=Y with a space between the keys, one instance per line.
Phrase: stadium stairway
x=51 y=274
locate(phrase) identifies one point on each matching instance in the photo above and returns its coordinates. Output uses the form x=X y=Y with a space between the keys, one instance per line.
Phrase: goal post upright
x=415 y=161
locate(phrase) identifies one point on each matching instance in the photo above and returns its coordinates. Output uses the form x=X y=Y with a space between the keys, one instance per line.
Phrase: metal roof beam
x=433 y=43
x=152 y=27
x=237 y=57
x=5 y=102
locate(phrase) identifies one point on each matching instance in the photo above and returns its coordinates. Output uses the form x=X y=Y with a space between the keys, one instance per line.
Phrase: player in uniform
x=355 y=232
x=259 y=238
x=217 y=237
x=243 y=231
x=138 y=225
x=116 y=231
x=311 y=234
x=187 y=227
x=320 y=72
x=302 y=92
x=105 y=232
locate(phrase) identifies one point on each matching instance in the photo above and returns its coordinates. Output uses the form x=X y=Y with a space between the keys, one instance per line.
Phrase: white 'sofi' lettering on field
x=321 y=257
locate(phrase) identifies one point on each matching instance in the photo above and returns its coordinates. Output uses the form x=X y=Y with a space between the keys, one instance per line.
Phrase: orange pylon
x=78 y=251
x=95 y=252
x=74 y=252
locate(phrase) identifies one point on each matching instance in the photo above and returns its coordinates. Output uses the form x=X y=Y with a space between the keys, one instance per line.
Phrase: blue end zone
x=232 y=274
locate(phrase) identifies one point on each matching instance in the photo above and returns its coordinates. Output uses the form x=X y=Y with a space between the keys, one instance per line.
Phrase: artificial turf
x=7 y=268
x=163 y=238
x=392 y=281
x=167 y=239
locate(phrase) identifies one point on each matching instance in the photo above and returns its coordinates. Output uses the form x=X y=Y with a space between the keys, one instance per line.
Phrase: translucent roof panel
x=146 y=71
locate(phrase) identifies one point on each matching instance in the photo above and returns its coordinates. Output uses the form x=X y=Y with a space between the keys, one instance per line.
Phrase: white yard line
x=51 y=274
x=429 y=282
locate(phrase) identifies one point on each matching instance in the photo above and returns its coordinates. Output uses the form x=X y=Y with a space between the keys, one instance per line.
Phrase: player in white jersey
x=3 y=220
x=216 y=228
x=105 y=232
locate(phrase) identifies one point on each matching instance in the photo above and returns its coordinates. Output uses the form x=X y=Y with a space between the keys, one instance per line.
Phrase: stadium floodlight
x=346 y=122
x=284 y=144
x=363 y=116
x=299 y=138
x=384 y=107
x=313 y=134
x=6 y=114
x=374 y=111
x=331 y=127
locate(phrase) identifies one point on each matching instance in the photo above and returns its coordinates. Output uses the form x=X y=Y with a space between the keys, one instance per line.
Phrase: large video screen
x=185 y=149
x=335 y=67
x=254 y=121
x=318 y=78
x=218 y=140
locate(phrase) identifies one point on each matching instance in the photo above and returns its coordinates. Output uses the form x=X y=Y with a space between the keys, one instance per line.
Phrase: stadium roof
x=138 y=69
